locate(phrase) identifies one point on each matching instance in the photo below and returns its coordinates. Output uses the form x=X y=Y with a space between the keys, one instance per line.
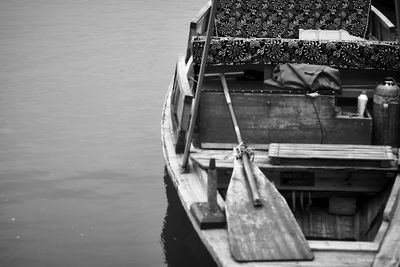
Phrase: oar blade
x=267 y=233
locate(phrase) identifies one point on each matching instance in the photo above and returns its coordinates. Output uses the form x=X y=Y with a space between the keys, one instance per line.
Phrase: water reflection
x=182 y=246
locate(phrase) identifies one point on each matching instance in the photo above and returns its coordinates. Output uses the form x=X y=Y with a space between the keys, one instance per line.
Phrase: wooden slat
x=343 y=246
x=286 y=118
x=389 y=253
x=342 y=205
x=353 y=81
x=392 y=200
x=383 y=19
x=381 y=232
x=318 y=223
x=198 y=26
x=381 y=26
x=230 y=146
x=381 y=155
x=181 y=103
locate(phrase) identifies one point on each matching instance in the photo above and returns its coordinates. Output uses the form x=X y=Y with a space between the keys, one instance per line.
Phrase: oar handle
x=245 y=160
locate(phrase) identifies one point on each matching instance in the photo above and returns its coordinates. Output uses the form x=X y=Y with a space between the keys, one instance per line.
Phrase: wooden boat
x=322 y=187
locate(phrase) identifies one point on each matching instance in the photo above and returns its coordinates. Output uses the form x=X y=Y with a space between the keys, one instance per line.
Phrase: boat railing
x=198 y=26
x=181 y=102
x=380 y=27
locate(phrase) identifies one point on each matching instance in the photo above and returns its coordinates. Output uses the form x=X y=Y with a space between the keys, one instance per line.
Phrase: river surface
x=82 y=179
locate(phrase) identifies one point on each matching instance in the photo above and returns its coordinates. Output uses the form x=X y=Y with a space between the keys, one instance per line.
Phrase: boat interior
x=336 y=169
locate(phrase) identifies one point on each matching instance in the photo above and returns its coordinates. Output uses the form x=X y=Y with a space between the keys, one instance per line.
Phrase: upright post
x=397 y=7
x=208 y=214
x=212 y=186
x=199 y=87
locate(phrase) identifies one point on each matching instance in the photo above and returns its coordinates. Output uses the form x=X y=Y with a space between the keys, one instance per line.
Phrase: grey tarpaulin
x=305 y=76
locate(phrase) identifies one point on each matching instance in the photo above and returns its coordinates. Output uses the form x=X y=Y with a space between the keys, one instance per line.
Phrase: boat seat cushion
x=284 y=18
x=382 y=55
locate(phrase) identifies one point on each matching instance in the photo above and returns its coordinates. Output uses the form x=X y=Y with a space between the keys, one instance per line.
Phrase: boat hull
x=191 y=187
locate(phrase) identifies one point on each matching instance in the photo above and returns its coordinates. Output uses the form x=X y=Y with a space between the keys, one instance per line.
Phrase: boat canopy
x=284 y=18
x=267 y=32
x=380 y=55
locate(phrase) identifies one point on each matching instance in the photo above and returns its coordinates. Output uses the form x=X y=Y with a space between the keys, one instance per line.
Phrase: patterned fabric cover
x=338 y=54
x=284 y=18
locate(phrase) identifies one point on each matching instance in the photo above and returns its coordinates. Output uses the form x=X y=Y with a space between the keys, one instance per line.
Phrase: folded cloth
x=333 y=35
x=305 y=76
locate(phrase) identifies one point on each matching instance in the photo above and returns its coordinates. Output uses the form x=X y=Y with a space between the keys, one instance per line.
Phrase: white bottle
x=362 y=103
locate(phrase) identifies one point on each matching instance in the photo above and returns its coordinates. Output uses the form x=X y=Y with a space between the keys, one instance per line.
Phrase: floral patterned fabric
x=284 y=18
x=337 y=54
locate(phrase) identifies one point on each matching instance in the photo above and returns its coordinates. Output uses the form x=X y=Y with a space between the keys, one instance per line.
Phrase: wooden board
x=353 y=80
x=263 y=118
x=267 y=233
x=285 y=118
x=359 y=154
x=181 y=102
x=342 y=205
x=318 y=223
x=389 y=253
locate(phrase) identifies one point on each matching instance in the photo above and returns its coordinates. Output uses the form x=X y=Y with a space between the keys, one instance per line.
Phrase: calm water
x=81 y=169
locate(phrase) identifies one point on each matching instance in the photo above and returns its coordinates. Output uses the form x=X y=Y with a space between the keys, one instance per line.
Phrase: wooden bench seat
x=354 y=154
x=345 y=176
x=224 y=160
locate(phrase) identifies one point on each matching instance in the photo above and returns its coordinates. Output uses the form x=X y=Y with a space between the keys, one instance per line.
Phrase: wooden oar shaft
x=246 y=163
x=252 y=182
x=195 y=105
x=230 y=106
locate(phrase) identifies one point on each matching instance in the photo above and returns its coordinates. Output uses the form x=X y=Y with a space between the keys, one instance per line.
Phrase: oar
x=246 y=163
x=261 y=227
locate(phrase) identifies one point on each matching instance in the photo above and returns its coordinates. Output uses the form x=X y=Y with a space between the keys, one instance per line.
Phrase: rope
x=243 y=149
x=193 y=79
